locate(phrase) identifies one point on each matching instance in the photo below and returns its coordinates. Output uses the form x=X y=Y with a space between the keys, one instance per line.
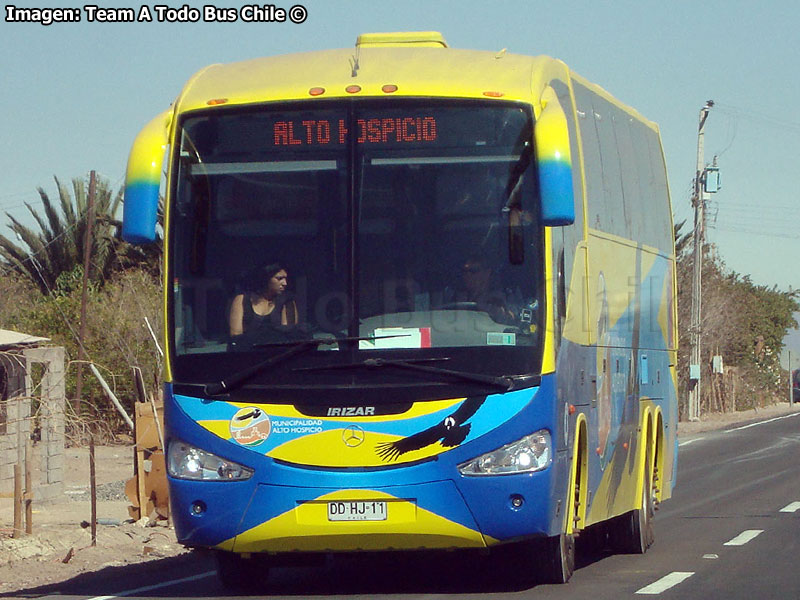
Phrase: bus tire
x=632 y=533
x=236 y=572
x=558 y=558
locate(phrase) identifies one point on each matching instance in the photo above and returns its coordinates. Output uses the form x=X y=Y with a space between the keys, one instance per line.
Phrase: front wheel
x=558 y=558
x=237 y=572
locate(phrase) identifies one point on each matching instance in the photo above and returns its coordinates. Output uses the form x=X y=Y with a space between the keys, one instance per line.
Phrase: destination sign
x=386 y=130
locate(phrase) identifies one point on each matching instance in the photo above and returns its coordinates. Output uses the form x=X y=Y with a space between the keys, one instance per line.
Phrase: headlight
x=531 y=453
x=185 y=461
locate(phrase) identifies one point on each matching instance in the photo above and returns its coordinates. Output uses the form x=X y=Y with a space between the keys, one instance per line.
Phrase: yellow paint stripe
x=219 y=428
x=306 y=528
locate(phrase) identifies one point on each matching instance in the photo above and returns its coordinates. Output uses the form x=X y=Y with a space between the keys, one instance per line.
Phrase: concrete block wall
x=17 y=422
x=49 y=451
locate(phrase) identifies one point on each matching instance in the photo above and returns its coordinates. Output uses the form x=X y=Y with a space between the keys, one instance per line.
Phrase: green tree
x=117 y=338
x=743 y=322
x=58 y=246
x=682 y=240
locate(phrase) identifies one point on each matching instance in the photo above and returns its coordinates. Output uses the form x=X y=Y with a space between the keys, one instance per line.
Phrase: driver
x=479 y=285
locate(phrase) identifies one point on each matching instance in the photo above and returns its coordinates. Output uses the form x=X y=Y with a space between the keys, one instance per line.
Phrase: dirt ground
x=60 y=546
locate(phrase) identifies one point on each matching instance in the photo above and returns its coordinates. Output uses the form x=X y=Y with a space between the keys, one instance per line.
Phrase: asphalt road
x=731 y=530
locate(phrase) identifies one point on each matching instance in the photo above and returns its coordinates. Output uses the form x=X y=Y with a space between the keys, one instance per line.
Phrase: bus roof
x=418 y=63
x=426 y=67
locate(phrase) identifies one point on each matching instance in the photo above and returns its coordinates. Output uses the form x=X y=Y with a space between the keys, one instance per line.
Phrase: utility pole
x=87 y=251
x=698 y=201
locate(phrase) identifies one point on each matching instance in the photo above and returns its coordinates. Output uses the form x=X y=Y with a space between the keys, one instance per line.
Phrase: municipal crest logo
x=250 y=426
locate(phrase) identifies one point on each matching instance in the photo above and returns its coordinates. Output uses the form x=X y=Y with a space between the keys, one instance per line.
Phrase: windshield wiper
x=413 y=365
x=296 y=347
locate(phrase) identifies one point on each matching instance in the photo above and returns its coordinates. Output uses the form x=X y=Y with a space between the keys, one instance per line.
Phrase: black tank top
x=251 y=319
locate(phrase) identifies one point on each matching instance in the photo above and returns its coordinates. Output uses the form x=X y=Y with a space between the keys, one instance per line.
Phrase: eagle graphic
x=451 y=432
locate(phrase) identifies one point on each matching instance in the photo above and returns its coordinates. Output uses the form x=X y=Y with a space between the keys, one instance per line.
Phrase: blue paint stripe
x=555 y=187
x=140 y=212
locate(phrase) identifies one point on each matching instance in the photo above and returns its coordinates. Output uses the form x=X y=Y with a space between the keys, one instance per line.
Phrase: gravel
x=105 y=491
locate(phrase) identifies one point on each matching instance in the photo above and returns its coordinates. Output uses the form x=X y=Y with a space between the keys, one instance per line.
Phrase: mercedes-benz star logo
x=353 y=436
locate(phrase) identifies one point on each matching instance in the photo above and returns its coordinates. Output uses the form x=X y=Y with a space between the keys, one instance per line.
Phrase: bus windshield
x=409 y=225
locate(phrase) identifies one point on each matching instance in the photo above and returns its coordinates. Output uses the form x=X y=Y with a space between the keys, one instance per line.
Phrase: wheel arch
x=578 y=491
x=651 y=459
x=658 y=454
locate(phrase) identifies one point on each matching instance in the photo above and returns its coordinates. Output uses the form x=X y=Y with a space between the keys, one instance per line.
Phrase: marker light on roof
x=494 y=94
x=217 y=101
x=352 y=89
x=389 y=88
x=316 y=91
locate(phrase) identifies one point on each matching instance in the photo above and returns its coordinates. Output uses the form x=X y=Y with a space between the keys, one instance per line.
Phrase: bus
x=416 y=298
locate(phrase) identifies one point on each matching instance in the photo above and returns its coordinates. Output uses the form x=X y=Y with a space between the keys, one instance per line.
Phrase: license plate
x=358 y=510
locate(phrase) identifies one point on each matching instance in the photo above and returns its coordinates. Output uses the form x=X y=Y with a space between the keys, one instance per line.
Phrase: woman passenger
x=263 y=302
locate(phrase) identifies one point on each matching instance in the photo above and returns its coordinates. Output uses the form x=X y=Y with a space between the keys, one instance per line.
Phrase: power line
x=13 y=207
x=13 y=195
x=762 y=233
x=742 y=207
x=753 y=218
x=790 y=223
x=766 y=118
x=32 y=253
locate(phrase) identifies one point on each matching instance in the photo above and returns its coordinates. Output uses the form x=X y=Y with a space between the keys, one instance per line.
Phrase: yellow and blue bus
x=473 y=339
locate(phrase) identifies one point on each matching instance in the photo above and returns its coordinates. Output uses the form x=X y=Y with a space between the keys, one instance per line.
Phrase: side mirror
x=143 y=180
x=554 y=163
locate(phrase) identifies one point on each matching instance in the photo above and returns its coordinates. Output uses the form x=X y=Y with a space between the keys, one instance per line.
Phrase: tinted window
x=390 y=221
x=625 y=173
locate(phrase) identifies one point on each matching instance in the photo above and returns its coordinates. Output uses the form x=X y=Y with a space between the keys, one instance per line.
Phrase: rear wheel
x=240 y=572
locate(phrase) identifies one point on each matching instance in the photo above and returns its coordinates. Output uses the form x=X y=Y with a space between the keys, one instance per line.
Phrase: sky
x=74 y=95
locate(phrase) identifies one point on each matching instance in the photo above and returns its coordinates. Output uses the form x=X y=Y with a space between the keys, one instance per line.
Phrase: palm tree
x=681 y=239
x=58 y=246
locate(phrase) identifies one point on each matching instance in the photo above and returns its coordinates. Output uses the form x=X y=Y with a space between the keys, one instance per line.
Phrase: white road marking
x=687 y=442
x=156 y=586
x=744 y=537
x=665 y=582
x=711 y=556
x=762 y=422
x=790 y=508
